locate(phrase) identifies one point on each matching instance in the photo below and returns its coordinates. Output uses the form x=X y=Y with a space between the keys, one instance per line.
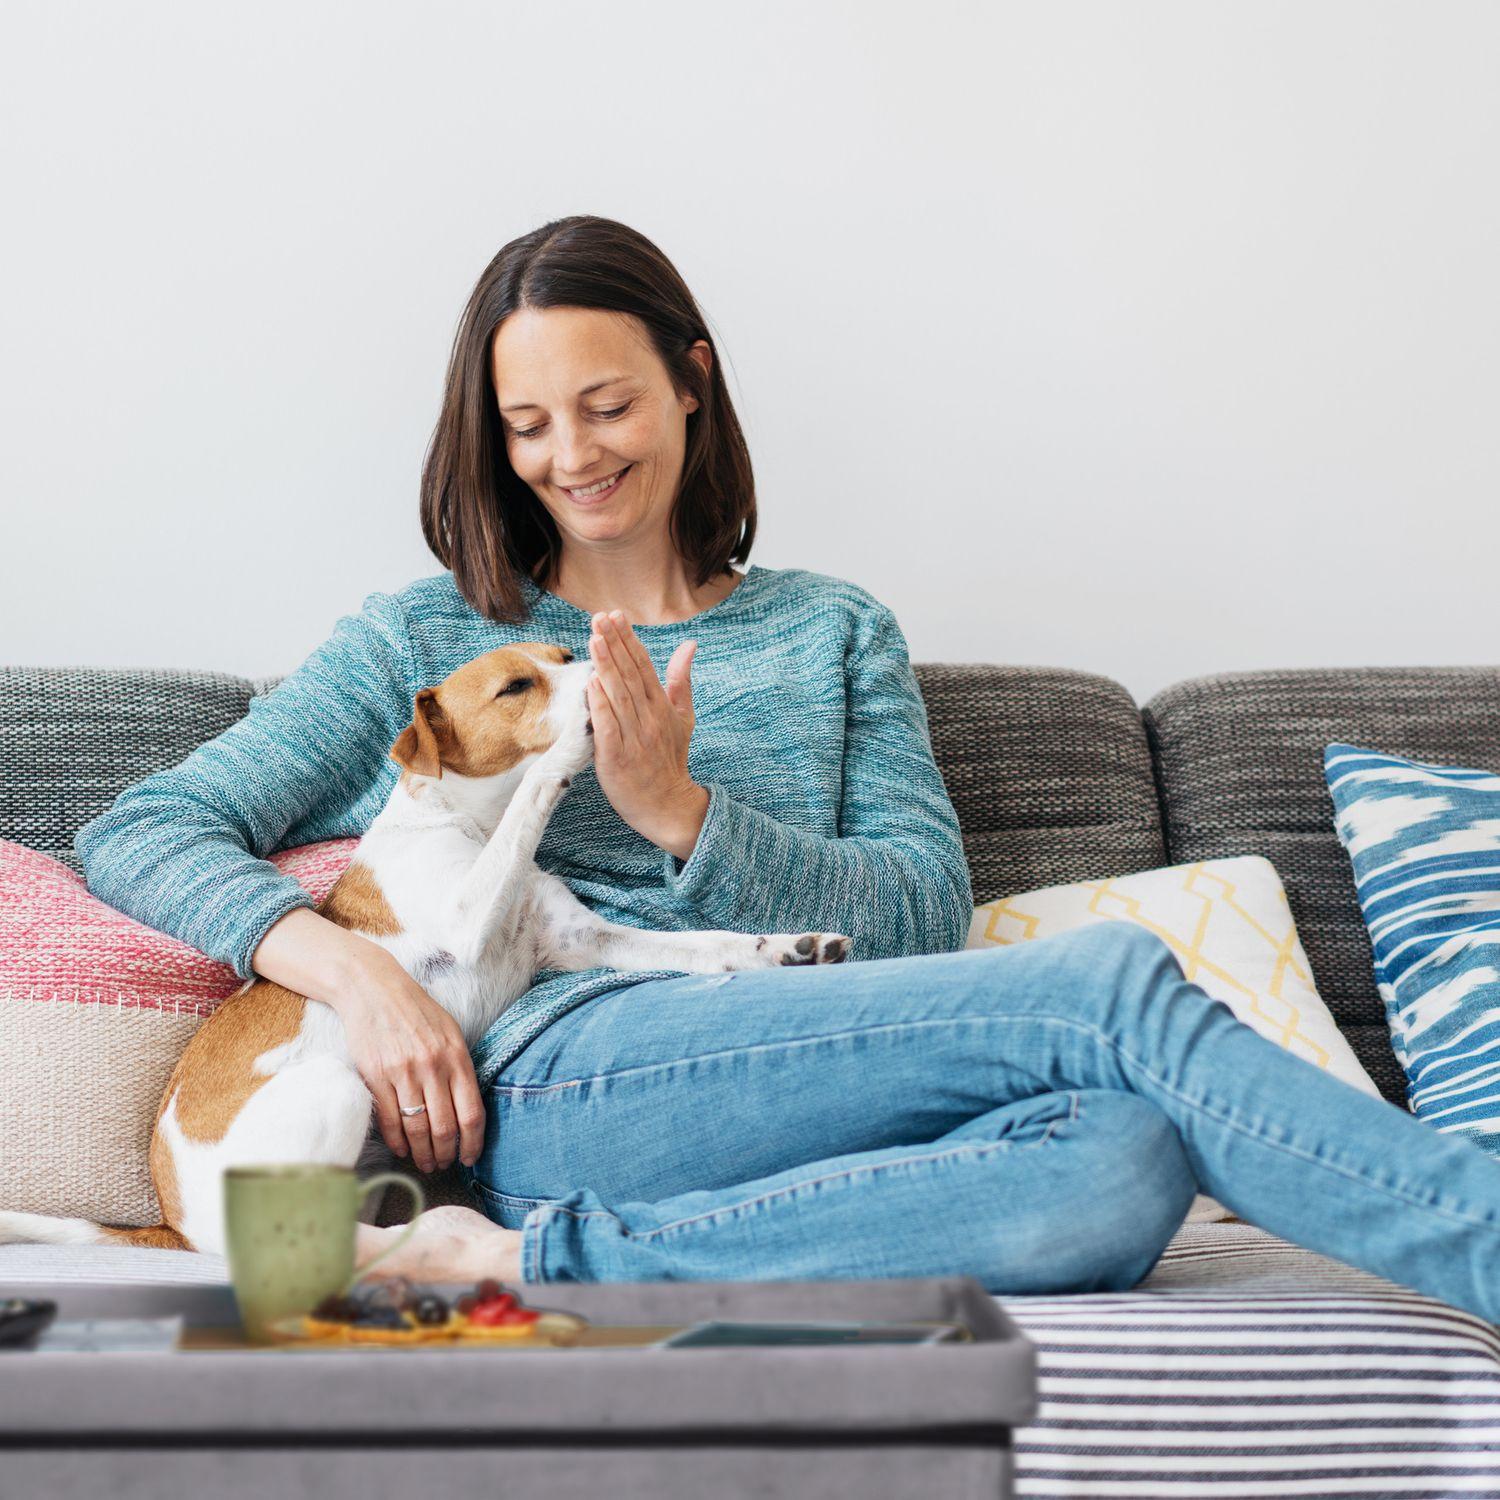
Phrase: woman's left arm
x=895 y=880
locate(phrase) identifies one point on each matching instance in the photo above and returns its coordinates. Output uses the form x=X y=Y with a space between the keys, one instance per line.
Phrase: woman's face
x=582 y=396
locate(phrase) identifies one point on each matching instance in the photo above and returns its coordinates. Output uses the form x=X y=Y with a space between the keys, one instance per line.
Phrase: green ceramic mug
x=289 y=1231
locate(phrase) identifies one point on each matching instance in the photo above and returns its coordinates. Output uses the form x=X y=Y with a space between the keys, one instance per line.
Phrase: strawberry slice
x=501 y=1313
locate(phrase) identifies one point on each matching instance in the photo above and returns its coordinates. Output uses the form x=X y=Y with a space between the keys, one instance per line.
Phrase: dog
x=446 y=881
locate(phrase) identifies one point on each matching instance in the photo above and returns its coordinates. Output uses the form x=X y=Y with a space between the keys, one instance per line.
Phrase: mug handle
x=419 y=1201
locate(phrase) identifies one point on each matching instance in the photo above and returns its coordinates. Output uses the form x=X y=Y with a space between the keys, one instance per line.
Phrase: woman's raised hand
x=641 y=735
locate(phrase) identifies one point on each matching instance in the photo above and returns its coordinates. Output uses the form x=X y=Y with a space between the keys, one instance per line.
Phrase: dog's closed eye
x=520 y=685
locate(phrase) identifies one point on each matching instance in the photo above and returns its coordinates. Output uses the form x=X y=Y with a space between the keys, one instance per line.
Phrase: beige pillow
x=95 y=1010
x=1228 y=922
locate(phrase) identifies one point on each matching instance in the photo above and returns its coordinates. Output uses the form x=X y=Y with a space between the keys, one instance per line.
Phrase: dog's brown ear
x=420 y=745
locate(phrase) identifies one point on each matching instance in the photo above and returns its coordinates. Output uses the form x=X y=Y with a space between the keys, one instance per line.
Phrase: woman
x=1037 y=1116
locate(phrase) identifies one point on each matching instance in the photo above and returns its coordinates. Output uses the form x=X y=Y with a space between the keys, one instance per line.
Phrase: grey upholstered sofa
x=1056 y=776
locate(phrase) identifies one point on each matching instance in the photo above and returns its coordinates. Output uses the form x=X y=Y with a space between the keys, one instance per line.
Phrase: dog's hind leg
x=315 y=1111
x=574 y=938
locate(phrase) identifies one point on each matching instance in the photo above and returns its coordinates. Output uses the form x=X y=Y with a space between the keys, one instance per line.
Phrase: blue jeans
x=1038 y=1116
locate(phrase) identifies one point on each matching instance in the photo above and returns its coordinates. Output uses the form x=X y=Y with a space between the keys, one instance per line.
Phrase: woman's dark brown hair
x=480 y=519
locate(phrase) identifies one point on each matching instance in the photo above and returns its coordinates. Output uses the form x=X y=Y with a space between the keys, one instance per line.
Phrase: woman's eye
x=618 y=411
x=518 y=686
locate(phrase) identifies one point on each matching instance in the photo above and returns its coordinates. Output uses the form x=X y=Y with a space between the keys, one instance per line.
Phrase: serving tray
x=874 y=1420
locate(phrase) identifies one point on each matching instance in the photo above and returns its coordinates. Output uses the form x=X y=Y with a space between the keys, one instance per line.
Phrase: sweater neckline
x=538 y=597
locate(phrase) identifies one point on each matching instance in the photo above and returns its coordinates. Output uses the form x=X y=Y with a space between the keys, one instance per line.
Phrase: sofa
x=1240 y=1357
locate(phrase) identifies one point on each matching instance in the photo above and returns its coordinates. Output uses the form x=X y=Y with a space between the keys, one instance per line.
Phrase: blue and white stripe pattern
x=1425 y=845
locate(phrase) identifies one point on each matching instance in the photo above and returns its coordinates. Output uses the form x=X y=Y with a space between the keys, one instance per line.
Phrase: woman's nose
x=574 y=449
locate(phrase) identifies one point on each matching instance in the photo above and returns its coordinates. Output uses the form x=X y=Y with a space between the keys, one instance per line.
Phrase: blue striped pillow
x=1425 y=845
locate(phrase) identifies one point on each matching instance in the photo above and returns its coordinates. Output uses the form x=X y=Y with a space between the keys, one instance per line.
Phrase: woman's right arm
x=184 y=850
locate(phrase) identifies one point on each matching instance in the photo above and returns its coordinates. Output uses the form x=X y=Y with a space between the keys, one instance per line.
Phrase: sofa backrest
x=1239 y=760
x=73 y=738
x=1056 y=776
x=1048 y=770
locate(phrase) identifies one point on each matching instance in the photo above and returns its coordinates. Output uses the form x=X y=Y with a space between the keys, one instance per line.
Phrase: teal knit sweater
x=826 y=809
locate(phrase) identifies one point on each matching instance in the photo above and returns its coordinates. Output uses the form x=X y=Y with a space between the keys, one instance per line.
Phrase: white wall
x=1151 y=339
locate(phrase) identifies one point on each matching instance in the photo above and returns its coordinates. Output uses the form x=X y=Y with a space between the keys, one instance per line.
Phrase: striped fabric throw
x=1424 y=841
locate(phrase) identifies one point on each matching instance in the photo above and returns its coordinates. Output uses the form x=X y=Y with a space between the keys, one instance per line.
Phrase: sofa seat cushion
x=1246 y=1366
x=106 y=1264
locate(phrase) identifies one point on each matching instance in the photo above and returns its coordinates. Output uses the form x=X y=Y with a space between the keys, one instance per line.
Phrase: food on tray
x=396 y=1312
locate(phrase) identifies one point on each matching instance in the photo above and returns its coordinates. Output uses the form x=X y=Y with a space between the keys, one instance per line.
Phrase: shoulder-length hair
x=480 y=519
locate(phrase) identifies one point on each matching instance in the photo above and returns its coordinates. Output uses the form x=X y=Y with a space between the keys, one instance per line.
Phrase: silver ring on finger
x=412 y=1109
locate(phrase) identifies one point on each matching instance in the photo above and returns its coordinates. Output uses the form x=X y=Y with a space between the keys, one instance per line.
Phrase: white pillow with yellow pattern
x=1228 y=922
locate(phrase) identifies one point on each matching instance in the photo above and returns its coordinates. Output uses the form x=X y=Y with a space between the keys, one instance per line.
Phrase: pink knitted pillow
x=95 y=1009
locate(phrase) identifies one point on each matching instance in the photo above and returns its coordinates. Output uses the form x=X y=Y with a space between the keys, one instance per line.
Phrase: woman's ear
x=419 y=746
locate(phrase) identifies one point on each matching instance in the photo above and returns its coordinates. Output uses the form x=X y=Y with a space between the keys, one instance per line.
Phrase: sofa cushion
x=95 y=1010
x=1239 y=759
x=1424 y=843
x=105 y=1265
x=1048 y=770
x=73 y=738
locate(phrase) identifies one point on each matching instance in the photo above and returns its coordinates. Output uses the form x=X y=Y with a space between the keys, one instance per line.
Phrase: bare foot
x=452 y=1243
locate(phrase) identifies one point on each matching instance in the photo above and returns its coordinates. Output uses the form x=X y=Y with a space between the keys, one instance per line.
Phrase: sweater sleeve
x=184 y=849
x=895 y=881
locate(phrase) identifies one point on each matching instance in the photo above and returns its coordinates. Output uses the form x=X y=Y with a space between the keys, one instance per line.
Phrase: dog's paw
x=808 y=948
x=570 y=753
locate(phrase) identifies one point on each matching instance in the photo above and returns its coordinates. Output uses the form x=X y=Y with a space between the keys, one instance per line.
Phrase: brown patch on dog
x=471 y=725
x=419 y=747
x=357 y=903
x=215 y=1076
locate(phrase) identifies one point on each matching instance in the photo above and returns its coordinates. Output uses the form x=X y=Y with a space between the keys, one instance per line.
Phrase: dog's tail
x=44 y=1229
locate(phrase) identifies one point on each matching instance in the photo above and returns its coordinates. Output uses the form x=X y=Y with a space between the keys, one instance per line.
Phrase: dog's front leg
x=492 y=886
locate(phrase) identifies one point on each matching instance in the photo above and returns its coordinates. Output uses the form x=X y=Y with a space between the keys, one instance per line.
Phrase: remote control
x=22 y=1320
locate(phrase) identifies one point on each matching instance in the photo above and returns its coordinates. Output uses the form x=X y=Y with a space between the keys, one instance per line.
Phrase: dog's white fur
x=451 y=889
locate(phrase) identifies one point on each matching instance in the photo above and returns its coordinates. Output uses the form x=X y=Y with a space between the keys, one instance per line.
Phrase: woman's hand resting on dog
x=407 y=1048
x=641 y=736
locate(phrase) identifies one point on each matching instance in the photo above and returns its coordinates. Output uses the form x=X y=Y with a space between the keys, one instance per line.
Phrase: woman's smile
x=589 y=497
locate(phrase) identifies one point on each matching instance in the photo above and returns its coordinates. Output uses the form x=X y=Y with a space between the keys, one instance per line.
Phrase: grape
x=431 y=1310
x=394 y=1292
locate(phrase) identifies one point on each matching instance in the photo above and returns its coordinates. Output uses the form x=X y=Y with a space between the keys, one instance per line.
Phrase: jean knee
x=1127 y=944
x=1117 y=960
x=1152 y=1185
